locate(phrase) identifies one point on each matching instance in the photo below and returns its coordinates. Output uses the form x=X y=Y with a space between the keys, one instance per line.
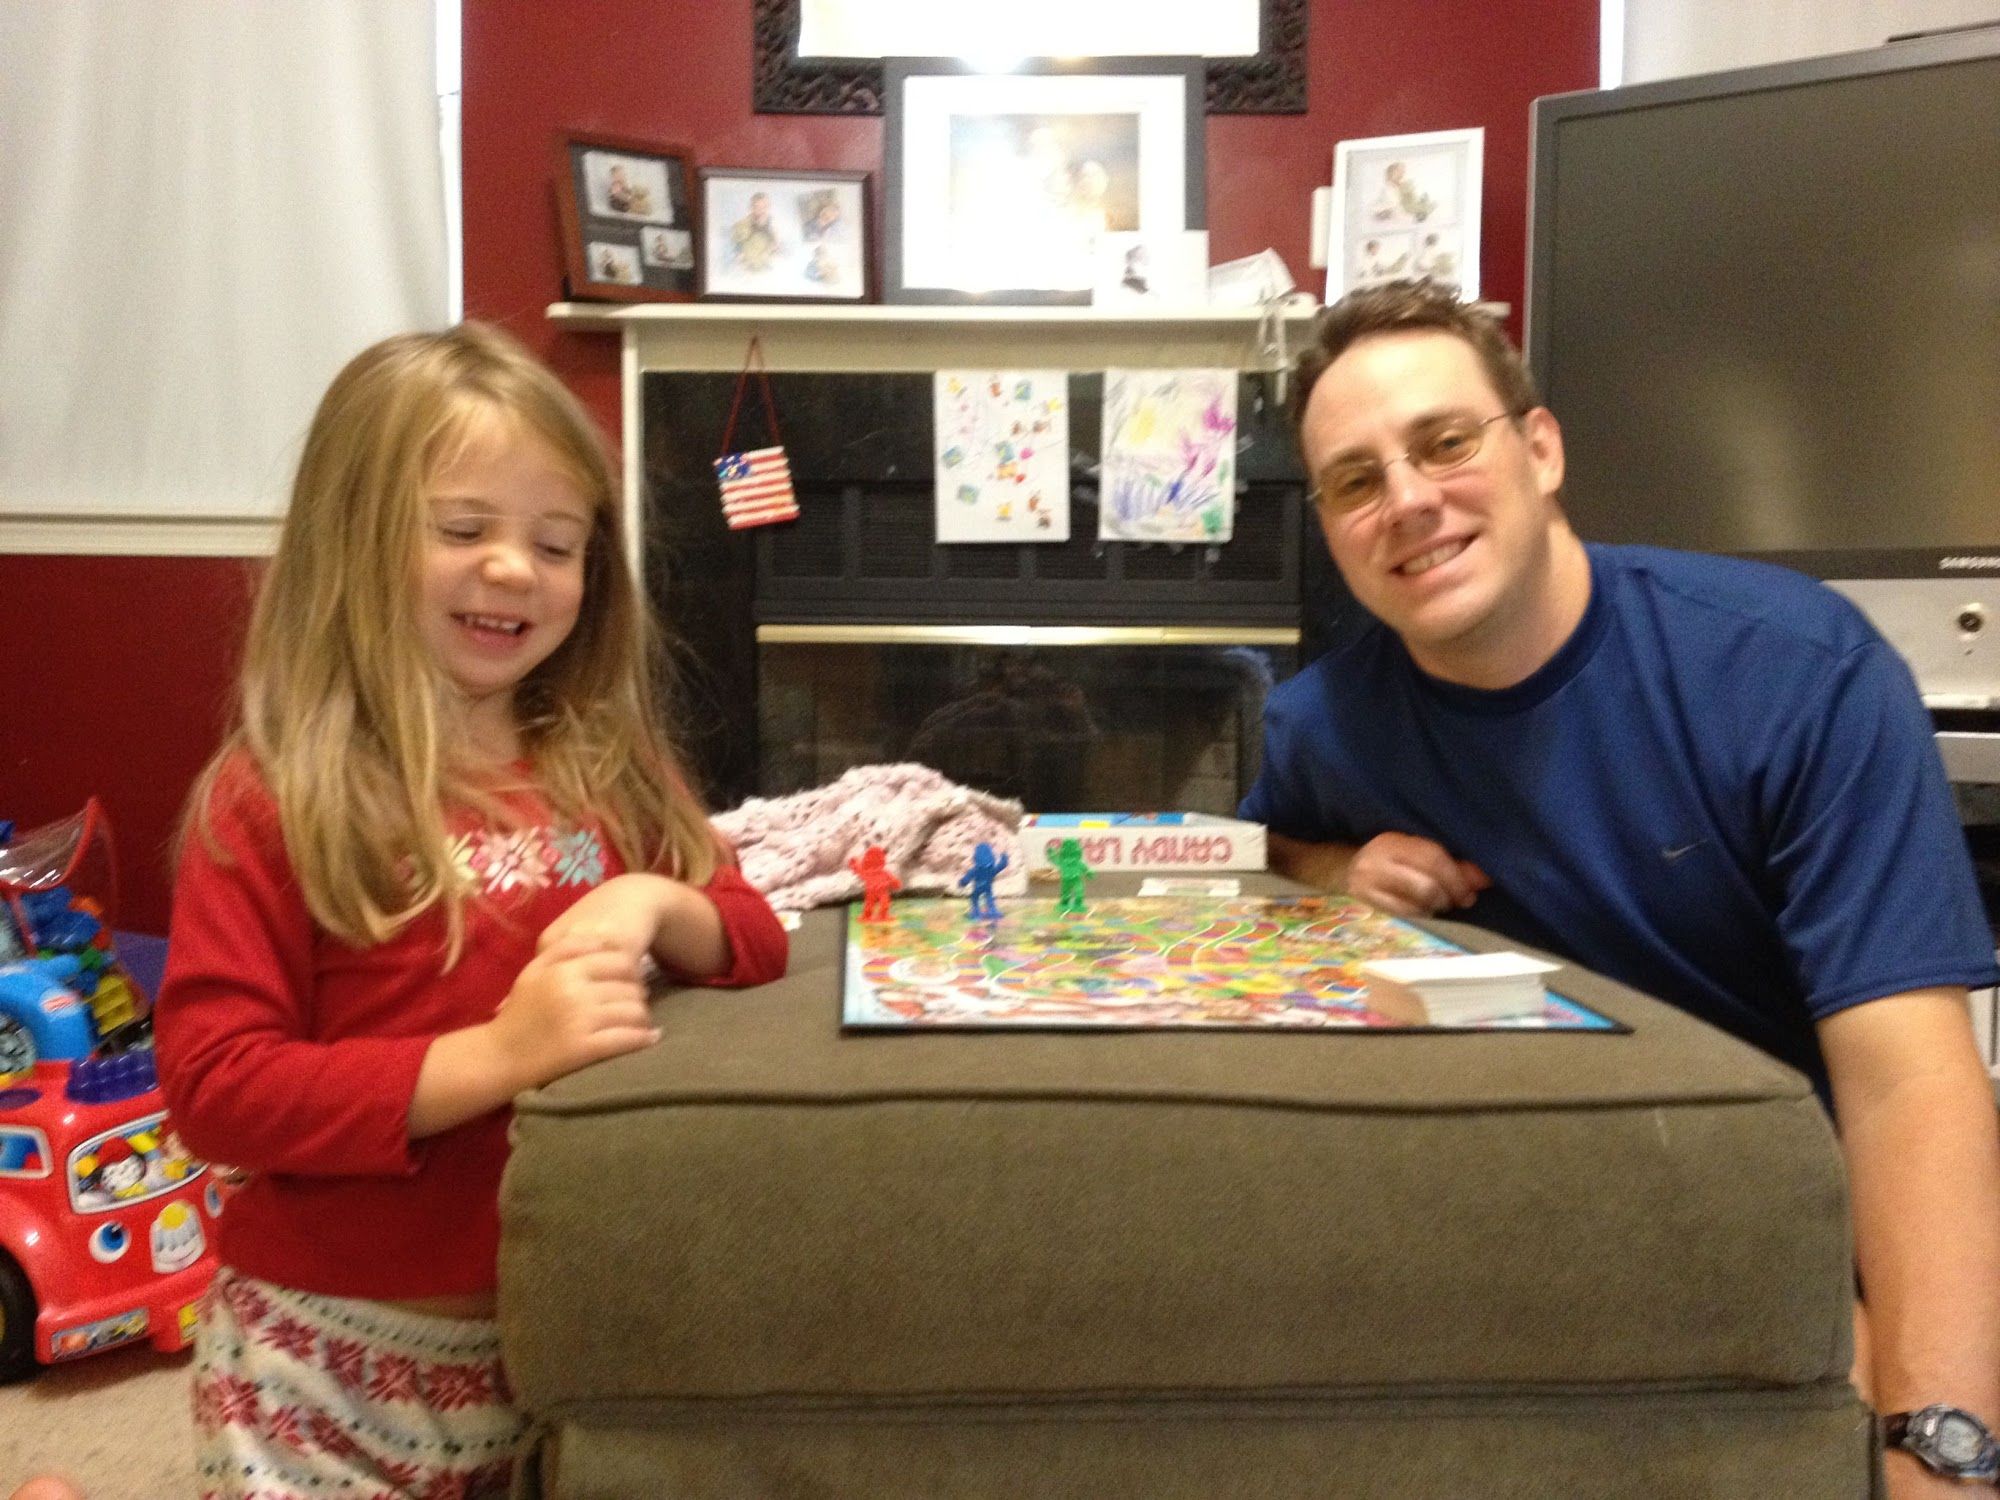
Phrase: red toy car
x=104 y=1217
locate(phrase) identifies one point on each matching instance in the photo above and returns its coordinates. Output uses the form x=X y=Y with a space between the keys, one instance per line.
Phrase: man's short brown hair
x=1403 y=306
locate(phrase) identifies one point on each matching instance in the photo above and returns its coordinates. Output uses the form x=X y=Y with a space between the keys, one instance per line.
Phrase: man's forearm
x=1927 y=1239
x=1923 y=1153
x=1320 y=865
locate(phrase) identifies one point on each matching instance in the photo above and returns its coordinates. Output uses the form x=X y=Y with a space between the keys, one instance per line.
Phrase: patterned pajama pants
x=299 y=1396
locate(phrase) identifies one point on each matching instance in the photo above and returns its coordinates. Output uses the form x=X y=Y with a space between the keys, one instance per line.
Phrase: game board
x=1152 y=962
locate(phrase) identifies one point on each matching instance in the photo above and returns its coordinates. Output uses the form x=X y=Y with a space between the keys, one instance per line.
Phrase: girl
x=422 y=875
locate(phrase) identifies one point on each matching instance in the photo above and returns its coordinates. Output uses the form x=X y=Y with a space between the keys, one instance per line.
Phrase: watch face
x=1959 y=1440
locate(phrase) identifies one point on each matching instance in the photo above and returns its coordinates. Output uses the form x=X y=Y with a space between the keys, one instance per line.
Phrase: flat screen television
x=1765 y=307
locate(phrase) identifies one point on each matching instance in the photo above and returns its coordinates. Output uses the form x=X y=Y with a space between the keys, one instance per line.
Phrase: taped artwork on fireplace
x=1002 y=456
x=1169 y=456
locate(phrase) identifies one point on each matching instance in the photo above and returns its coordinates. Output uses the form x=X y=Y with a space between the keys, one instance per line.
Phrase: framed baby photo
x=1406 y=206
x=1159 y=271
x=998 y=186
x=776 y=236
x=628 y=219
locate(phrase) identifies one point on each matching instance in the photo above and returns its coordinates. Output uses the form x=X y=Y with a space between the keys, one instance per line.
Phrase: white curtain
x=206 y=207
x=1673 y=38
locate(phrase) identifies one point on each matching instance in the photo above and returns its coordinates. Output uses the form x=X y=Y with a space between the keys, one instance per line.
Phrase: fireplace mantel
x=844 y=336
x=822 y=336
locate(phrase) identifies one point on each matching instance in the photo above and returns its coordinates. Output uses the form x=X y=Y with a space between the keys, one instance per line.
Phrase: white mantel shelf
x=867 y=338
x=618 y=315
x=904 y=336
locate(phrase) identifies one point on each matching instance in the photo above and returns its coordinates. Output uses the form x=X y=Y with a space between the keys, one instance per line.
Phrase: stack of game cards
x=1458 y=989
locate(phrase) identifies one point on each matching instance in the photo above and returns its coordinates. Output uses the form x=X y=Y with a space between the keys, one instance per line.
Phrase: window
x=206 y=211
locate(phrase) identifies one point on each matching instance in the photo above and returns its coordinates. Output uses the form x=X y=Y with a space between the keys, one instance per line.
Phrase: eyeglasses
x=1361 y=483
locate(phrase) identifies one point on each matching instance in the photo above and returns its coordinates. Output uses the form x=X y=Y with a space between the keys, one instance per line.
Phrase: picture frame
x=995 y=185
x=1406 y=205
x=787 y=78
x=1159 y=272
x=776 y=235
x=630 y=229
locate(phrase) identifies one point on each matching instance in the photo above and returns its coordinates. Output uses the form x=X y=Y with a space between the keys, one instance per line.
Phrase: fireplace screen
x=1109 y=720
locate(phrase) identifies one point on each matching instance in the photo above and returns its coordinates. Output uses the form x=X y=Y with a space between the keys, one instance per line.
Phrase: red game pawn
x=878 y=882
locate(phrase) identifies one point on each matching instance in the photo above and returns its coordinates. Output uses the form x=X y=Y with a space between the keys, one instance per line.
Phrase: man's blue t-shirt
x=1722 y=791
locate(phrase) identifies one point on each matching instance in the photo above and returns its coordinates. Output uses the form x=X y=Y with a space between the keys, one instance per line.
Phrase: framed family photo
x=784 y=236
x=1406 y=205
x=998 y=185
x=628 y=219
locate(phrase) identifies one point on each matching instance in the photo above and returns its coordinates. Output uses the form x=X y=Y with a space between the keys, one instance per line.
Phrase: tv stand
x=1969 y=740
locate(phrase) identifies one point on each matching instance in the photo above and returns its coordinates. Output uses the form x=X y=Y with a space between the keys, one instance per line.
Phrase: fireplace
x=1112 y=719
x=1081 y=675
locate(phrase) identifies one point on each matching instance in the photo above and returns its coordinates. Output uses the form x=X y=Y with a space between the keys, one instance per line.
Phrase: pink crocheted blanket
x=795 y=849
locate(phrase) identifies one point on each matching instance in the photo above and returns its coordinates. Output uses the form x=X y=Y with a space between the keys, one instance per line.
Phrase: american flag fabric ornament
x=756 y=483
x=756 y=488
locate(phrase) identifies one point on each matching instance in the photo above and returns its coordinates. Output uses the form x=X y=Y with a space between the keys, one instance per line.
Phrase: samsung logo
x=1947 y=564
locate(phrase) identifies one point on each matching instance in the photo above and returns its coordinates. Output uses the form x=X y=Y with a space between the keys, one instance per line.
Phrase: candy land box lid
x=1115 y=841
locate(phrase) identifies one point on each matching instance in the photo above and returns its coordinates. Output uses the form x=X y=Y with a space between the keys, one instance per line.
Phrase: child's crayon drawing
x=1002 y=455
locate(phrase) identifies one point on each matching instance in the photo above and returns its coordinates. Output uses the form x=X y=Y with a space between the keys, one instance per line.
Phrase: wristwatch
x=1950 y=1442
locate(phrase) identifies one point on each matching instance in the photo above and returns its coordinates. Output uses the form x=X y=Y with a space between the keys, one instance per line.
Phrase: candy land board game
x=1155 y=962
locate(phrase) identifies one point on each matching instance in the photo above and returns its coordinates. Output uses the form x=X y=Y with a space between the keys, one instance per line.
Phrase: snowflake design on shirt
x=482 y=851
x=496 y=860
x=517 y=861
x=579 y=858
x=463 y=861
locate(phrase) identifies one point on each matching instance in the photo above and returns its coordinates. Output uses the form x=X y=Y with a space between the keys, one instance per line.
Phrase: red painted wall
x=115 y=681
x=681 y=73
x=116 y=670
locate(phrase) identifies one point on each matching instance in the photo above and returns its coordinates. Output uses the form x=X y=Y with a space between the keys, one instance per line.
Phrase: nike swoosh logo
x=1670 y=855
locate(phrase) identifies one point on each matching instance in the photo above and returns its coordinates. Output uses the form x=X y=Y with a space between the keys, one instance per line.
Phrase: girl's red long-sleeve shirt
x=294 y=1056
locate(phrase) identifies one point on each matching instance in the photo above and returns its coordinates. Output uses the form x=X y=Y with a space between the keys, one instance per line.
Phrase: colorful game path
x=1160 y=961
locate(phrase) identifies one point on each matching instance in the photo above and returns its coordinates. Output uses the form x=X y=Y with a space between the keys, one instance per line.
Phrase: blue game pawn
x=979 y=876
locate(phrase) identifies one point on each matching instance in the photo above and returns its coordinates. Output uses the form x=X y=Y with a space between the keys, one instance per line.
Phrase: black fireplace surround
x=1169 y=719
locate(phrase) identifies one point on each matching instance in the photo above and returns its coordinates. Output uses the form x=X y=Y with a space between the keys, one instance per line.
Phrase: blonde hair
x=349 y=721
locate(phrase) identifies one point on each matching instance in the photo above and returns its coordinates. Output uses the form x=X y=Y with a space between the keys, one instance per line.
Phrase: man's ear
x=1545 y=448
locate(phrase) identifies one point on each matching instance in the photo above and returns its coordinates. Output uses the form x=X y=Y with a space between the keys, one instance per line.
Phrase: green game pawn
x=1074 y=872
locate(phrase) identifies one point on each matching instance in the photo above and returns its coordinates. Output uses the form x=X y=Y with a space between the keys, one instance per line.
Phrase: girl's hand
x=622 y=915
x=578 y=1001
x=575 y=1003
x=641 y=914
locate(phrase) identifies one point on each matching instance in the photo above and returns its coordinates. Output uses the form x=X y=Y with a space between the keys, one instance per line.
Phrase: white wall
x=1650 y=39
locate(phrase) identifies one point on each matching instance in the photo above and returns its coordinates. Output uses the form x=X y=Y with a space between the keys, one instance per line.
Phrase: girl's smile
x=502 y=575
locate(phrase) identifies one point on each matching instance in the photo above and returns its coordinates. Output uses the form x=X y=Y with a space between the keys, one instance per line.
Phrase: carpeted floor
x=117 y=1424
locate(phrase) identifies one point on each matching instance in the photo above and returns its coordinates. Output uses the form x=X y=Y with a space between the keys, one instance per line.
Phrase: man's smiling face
x=1459 y=565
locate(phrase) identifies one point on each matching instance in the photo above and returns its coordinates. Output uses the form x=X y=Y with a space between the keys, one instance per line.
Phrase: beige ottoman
x=765 y=1259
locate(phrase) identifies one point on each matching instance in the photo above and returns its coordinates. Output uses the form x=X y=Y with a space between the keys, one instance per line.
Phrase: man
x=1708 y=778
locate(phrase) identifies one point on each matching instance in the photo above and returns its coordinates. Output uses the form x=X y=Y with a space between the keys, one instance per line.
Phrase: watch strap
x=1914 y=1433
